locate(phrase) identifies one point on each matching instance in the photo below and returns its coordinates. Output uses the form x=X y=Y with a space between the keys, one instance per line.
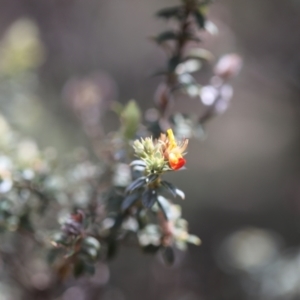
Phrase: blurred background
x=242 y=181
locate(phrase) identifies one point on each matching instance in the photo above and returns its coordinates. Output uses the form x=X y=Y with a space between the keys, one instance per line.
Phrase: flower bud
x=138 y=148
x=148 y=146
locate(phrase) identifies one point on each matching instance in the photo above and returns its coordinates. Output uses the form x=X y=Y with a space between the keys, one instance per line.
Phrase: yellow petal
x=171 y=138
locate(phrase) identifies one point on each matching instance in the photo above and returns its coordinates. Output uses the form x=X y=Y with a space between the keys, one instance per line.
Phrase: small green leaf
x=60 y=238
x=25 y=222
x=112 y=249
x=92 y=242
x=200 y=19
x=91 y=252
x=166 y=36
x=138 y=162
x=191 y=37
x=168 y=255
x=130 y=200
x=138 y=183
x=79 y=268
x=180 y=193
x=170 y=12
x=171 y=188
x=130 y=118
x=173 y=63
x=151 y=249
x=149 y=197
x=200 y=54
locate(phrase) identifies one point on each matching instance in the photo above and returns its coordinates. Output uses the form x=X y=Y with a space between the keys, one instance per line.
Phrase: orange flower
x=172 y=151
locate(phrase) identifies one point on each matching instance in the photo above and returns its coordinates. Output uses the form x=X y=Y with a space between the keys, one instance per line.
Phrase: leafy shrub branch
x=120 y=197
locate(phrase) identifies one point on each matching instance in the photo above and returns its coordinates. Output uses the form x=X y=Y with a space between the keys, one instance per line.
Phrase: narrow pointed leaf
x=170 y=12
x=130 y=200
x=199 y=53
x=166 y=36
x=151 y=249
x=138 y=169
x=171 y=188
x=136 y=184
x=152 y=178
x=137 y=162
x=149 y=197
x=173 y=63
x=200 y=19
x=78 y=268
x=168 y=255
x=192 y=37
x=180 y=193
x=112 y=249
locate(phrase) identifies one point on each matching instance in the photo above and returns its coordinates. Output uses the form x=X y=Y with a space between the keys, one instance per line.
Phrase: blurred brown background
x=243 y=180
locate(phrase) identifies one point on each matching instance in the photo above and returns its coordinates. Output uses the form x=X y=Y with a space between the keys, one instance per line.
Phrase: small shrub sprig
x=118 y=197
x=156 y=157
x=136 y=209
x=185 y=58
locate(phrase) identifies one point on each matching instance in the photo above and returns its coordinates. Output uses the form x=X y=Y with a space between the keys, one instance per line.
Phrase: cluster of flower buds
x=155 y=158
x=160 y=155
